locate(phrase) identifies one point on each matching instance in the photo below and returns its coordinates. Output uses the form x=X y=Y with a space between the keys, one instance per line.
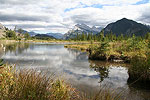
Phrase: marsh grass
x=31 y=85
x=106 y=93
x=140 y=68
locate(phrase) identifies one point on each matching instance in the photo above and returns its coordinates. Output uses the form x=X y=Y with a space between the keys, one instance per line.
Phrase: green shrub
x=10 y=34
x=99 y=52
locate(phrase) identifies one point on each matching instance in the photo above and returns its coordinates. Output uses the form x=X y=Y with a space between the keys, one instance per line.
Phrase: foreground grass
x=30 y=85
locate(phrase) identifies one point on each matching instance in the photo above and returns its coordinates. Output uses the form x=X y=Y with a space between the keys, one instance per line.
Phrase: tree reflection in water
x=102 y=69
x=16 y=47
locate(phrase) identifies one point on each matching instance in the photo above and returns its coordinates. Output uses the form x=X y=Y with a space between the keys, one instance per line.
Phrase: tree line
x=107 y=37
x=16 y=34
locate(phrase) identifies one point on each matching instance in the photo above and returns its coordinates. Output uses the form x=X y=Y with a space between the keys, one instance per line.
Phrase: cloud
x=22 y=17
x=62 y=15
x=145 y=16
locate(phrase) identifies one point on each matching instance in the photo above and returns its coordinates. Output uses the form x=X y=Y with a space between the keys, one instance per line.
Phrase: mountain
x=2 y=29
x=81 y=28
x=126 y=27
x=30 y=33
x=56 y=35
x=43 y=36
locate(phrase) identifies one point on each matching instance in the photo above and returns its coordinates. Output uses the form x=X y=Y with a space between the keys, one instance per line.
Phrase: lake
x=74 y=67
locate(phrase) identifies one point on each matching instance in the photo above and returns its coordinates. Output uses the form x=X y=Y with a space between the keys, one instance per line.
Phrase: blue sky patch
x=142 y=2
x=84 y=6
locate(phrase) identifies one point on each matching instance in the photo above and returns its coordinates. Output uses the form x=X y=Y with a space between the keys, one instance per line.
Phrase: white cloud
x=61 y=15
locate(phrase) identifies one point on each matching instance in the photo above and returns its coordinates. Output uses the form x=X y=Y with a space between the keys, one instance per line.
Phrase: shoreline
x=111 y=56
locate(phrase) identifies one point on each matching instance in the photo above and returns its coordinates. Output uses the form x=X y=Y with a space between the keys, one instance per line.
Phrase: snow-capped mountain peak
x=81 y=28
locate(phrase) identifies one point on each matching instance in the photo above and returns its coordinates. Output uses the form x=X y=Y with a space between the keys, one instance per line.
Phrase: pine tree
x=26 y=36
x=102 y=35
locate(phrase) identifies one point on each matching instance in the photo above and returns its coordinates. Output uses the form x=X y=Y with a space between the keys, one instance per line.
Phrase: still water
x=73 y=66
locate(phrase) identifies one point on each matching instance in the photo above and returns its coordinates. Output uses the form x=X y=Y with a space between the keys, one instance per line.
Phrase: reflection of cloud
x=80 y=76
x=117 y=76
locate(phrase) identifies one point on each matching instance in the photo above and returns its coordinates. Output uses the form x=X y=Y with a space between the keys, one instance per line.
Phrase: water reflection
x=101 y=69
x=70 y=64
x=16 y=48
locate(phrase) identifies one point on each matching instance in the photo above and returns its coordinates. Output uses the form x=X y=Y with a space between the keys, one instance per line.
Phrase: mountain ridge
x=56 y=35
x=126 y=27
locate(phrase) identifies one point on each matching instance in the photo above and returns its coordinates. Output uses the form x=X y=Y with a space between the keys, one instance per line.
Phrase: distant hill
x=56 y=35
x=44 y=36
x=2 y=29
x=53 y=35
x=82 y=28
x=30 y=33
x=126 y=27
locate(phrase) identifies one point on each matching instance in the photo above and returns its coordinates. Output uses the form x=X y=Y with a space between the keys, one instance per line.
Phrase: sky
x=59 y=16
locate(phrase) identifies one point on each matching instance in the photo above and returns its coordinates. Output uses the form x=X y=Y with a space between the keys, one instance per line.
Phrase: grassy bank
x=7 y=41
x=113 y=51
x=30 y=85
x=78 y=46
x=82 y=45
